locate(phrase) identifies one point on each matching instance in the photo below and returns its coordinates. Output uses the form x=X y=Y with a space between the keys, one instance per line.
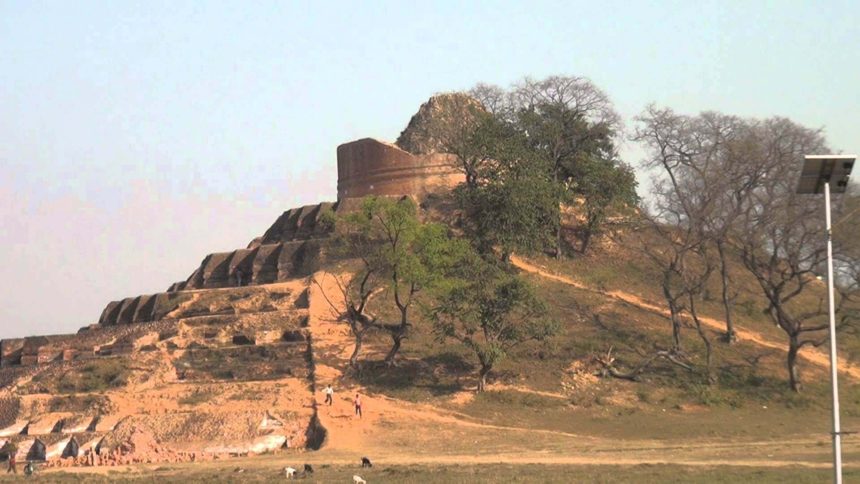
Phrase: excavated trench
x=316 y=433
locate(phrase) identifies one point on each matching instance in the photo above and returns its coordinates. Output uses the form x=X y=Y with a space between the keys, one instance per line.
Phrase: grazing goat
x=358 y=480
x=365 y=462
x=290 y=472
x=309 y=469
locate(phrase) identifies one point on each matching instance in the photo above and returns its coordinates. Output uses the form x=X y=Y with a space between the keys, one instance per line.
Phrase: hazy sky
x=136 y=137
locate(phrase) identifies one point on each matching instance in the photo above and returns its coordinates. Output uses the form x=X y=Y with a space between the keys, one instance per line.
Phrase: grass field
x=261 y=470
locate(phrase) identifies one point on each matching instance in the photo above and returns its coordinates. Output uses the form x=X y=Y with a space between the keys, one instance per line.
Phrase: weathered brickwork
x=370 y=167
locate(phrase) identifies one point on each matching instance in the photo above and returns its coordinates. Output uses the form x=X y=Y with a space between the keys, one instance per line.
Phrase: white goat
x=290 y=472
x=358 y=480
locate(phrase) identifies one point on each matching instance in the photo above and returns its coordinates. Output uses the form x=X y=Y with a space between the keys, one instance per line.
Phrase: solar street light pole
x=837 y=435
x=818 y=172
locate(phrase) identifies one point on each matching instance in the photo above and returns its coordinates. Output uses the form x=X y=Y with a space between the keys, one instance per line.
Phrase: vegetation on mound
x=94 y=376
x=748 y=376
x=723 y=237
x=251 y=362
x=97 y=404
x=469 y=299
x=198 y=396
x=10 y=406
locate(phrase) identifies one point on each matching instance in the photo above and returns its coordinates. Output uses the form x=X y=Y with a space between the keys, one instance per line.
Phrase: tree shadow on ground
x=413 y=379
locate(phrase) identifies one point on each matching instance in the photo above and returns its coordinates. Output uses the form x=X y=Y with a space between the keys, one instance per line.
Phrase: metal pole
x=837 y=437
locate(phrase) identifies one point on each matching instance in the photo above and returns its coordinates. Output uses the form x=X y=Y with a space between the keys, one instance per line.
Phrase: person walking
x=358 y=405
x=12 y=449
x=329 y=394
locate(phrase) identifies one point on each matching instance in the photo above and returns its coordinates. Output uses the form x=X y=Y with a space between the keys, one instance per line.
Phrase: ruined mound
x=131 y=438
x=436 y=120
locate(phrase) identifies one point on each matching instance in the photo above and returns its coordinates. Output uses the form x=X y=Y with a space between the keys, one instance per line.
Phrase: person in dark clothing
x=239 y=276
x=12 y=462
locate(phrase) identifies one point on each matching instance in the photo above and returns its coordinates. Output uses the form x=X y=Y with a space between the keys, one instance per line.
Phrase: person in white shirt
x=329 y=394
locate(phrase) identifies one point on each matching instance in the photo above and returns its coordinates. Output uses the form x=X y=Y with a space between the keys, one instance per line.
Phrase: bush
x=197 y=397
x=97 y=376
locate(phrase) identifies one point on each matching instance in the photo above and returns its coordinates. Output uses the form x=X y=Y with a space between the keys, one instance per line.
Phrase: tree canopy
x=490 y=311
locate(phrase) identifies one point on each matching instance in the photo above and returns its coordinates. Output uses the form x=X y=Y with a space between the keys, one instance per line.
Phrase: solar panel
x=820 y=169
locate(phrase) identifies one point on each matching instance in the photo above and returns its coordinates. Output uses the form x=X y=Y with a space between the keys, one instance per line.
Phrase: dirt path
x=811 y=355
x=332 y=345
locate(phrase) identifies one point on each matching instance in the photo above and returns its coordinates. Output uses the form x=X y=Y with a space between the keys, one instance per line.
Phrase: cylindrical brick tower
x=371 y=167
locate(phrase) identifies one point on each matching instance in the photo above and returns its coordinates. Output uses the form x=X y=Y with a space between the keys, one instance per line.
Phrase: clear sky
x=136 y=137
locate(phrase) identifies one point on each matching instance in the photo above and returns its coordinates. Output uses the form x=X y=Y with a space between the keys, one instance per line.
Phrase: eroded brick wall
x=370 y=167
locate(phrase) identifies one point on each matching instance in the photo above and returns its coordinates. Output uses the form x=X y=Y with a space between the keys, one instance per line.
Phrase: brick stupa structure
x=235 y=328
x=294 y=245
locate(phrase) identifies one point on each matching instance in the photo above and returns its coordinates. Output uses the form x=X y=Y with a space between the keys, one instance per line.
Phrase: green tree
x=490 y=312
x=350 y=239
x=570 y=125
x=603 y=186
x=398 y=253
x=508 y=202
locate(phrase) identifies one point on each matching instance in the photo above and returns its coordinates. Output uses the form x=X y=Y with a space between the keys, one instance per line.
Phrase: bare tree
x=495 y=100
x=706 y=159
x=847 y=240
x=727 y=180
x=736 y=179
x=355 y=292
x=781 y=235
x=683 y=207
x=577 y=94
x=610 y=366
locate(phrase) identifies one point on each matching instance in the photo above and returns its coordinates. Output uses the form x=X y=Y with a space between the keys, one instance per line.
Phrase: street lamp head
x=820 y=169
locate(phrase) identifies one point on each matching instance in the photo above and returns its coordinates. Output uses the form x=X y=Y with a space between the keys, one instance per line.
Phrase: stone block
x=126 y=313
x=215 y=270
x=242 y=260
x=177 y=286
x=10 y=352
x=165 y=302
x=287 y=259
x=195 y=280
x=265 y=265
x=47 y=354
x=296 y=224
x=110 y=314
x=145 y=306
